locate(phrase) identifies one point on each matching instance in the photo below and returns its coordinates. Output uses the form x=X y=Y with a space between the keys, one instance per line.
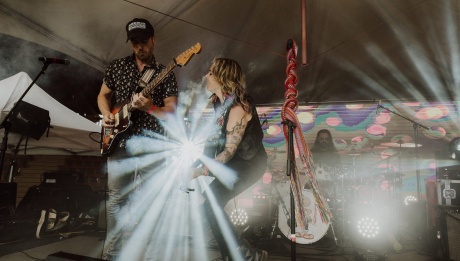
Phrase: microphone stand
x=7 y=125
x=290 y=169
x=416 y=126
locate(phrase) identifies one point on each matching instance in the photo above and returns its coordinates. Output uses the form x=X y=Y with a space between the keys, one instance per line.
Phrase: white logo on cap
x=136 y=25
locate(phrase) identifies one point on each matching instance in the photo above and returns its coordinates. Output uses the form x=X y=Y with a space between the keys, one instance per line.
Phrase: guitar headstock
x=184 y=57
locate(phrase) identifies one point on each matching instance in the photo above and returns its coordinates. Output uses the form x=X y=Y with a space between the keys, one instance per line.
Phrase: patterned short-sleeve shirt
x=122 y=76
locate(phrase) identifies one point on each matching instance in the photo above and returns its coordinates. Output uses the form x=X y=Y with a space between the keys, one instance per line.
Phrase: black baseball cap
x=139 y=28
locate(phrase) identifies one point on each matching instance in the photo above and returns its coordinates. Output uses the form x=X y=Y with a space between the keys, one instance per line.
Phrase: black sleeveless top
x=251 y=143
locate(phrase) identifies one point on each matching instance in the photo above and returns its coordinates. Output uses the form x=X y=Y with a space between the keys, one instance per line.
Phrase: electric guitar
x=122 y=111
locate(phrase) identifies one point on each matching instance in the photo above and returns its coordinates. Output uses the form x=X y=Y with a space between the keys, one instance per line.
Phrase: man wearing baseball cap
x=124 y=165
x=139 y=28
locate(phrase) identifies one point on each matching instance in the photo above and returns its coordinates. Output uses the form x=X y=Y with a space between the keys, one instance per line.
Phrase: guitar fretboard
x=158 y=79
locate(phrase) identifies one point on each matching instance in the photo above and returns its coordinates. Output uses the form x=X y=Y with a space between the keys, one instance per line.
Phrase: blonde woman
x=235 y=145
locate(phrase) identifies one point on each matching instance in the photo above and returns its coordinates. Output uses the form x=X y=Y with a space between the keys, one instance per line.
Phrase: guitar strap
x=146 y=77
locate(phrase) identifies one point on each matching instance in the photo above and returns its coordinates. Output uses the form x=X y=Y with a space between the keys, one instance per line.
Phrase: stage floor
x=89 y=244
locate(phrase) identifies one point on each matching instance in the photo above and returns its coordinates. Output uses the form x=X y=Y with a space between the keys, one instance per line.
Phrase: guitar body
x=111 y=136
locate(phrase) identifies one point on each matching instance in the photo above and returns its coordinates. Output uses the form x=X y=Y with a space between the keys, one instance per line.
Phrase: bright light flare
x=161 y=215
x=189 y=152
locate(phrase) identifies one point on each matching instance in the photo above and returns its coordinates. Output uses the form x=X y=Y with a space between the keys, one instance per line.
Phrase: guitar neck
x=153 y=84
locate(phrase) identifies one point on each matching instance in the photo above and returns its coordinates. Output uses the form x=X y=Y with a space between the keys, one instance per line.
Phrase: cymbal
x=358 y=148
x=400 y=145
x=354 y=154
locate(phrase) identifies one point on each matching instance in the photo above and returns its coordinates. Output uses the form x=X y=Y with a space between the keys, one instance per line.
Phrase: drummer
x=324 y=151
x=326 y=159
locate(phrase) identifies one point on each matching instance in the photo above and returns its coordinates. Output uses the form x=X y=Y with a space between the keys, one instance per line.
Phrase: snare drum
x=316 y=227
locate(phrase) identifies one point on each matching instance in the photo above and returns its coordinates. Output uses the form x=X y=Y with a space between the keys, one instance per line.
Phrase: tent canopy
x=355 y=50
x=389 y=51
x=69 y=133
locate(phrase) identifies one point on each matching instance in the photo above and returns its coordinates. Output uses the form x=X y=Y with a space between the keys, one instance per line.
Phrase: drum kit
x=344 y=188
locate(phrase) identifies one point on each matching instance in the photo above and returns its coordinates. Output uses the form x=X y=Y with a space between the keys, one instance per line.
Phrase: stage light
x=454 y=149
x=189 y=152
x=409 y=199
x=368 y=227
x=239 y=217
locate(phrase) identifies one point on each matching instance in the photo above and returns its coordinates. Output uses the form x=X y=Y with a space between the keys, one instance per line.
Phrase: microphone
x=46 y=60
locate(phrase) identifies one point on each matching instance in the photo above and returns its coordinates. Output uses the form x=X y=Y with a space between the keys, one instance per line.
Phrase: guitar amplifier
x=449 y=225
x=62 y=178
x=448 y=172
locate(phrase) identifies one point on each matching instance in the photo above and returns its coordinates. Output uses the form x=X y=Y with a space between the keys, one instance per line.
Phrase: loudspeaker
x=62 y=178
x=453 y=235
x=63 y=256
x=29 y=120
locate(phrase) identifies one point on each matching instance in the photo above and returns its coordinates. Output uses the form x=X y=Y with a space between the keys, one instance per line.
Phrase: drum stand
x=393 y=178
x=275 y=225
x=416 y=126
x=279 y=200
x=344 y=198
x=394 y=196
x=342 y=232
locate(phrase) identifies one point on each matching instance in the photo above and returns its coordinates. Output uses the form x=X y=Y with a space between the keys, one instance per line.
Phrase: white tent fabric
x=69 y=132
x=355 y=50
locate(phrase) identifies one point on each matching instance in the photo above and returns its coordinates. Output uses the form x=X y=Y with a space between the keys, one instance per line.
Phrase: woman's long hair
x=228 y=73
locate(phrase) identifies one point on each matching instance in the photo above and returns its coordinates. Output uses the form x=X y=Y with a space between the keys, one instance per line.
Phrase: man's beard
x=324 y=146
x=144 y=56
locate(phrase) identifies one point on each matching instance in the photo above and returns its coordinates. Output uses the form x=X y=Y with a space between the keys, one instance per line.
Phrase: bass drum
x=316 y=228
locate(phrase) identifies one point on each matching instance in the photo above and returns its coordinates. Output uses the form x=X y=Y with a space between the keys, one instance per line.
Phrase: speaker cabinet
x=29 y=120
x=450 y=226
x=7 y=198
x=453 y=235
x=449 y=172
